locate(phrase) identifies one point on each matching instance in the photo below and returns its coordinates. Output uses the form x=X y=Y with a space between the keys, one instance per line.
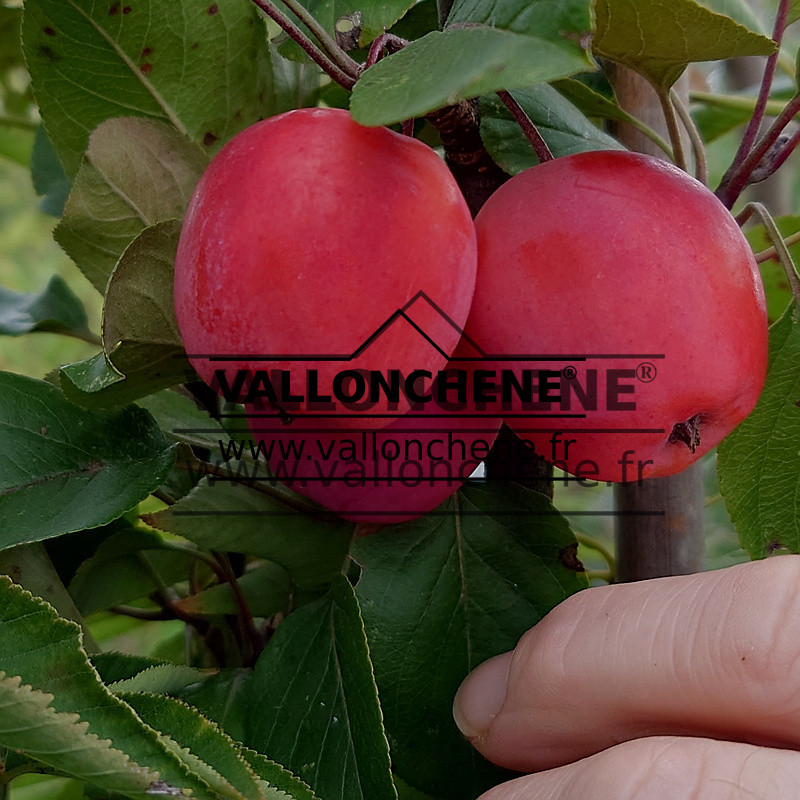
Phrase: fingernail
x=480 y=698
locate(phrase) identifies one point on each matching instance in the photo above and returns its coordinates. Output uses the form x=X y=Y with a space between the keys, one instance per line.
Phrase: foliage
x=314 y=661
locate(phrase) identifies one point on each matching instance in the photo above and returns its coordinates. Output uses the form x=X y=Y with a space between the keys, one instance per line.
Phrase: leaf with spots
x=472 y=578
x=136 y=172
x=197 y=65
x=759 y=463
x=67 y=470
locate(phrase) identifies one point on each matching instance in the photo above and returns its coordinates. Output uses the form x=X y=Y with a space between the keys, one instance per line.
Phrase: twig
x=385 y=43
x=245 y=614
x=698 y=149
x=315 y=54
x=149 y=614
x=771 y=253
x=754 y=125
x=734 y=182
x=774 y=235
x=543 y=152
x=671 y=117
x=599 y=547
x=328 y=44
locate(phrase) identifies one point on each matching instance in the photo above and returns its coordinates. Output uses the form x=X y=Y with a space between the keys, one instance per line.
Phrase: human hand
x=676 y=688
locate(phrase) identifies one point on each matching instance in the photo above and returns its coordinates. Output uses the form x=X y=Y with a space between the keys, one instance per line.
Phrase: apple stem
x=543 y=152
x=383 y=44
x=324 y=60
x=754 y=125
x=698 y=149
x=673 y=127
x=780 y=246
x=771 y=252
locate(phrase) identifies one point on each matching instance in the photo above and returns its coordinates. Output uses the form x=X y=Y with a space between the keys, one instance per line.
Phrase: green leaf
x=271 y=774
x=222 y=698
x=140 y=333
x=159 y=679
x=143 y=349
x=49 y=180
x=206 y=749
x=773 y=275
x=136 y=172
x=182 y=421
x=759 y=463
x=30 y=566
x=55 y=309
x=442 y=594
x=133 y=557
x=794 y=11
x=68 y=469
x=29 y=723
x=44 y=651
x=377 y=16
x=227 y=516
x=561 y=125
x=563 y=22
x=444 y=67
x=634 y=33
x=591 y=102
x=314 y=705
x=197 y=65
x=114 y=666
x=266 y=589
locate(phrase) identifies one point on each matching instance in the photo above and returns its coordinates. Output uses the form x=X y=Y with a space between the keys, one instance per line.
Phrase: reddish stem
x=385 y=43
x=730 y=188
x=754 y=125
x=313 y=52
x=543 y=152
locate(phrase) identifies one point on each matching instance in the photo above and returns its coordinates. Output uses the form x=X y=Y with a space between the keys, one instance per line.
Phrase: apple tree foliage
x=318 y=663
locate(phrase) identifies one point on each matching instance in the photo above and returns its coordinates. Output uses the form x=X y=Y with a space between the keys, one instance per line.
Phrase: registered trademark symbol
x=646 y=372
x=569 y=373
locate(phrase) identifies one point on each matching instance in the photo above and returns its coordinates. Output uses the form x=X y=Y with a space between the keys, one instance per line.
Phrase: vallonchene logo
x=440 y=424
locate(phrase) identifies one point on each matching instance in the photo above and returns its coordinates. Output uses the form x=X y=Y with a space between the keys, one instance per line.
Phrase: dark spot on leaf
x=146 y=52
x=49 y=53
x=146 y=69
x=127 y=10
x=212 y=9
x=775 y=545
x=194 y=45
x=209 y=139
x=784 y=285
x=43 y=430
x=49 y=31
x=238 y=114
x=114 y=8
x=568 y=556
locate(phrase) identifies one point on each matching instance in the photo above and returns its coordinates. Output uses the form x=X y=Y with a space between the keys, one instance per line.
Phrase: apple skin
x=609 y=253
x=306 y=233
x=354 y=493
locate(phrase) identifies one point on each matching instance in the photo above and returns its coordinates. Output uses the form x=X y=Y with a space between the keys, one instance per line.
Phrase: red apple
x=390 y=475
x=625 y=270
x=307 y=233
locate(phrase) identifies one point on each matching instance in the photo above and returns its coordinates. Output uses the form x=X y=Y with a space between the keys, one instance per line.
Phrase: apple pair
x=315 y=247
